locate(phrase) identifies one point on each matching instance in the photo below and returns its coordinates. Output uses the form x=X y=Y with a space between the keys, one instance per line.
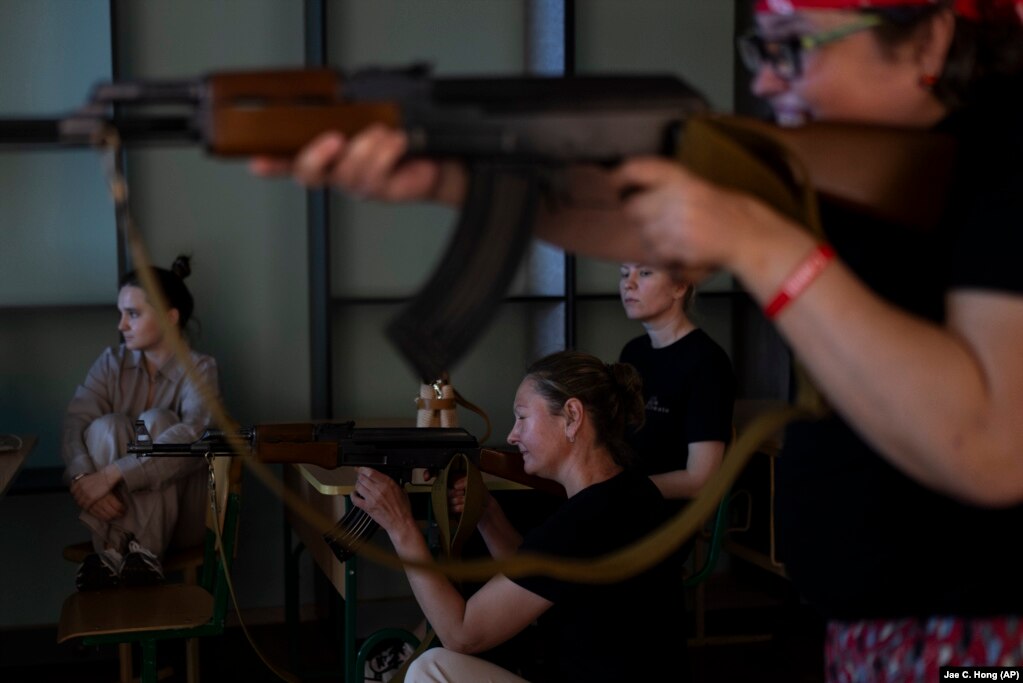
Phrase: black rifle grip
x=443 y=320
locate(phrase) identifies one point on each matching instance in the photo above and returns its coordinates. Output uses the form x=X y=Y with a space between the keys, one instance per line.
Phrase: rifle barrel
x=29 y=132
x=54 y=132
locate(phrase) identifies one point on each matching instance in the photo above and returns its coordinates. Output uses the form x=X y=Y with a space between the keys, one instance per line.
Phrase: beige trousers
x=439 y=665
x=172 y=517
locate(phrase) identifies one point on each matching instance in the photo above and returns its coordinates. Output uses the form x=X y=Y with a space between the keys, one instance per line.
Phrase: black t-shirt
x=605 y=632
x=689 y=389
x=859 y=538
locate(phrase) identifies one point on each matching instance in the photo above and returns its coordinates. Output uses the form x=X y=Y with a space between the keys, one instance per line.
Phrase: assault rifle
x=396 y=451
x=512 y=131
x=514 y=134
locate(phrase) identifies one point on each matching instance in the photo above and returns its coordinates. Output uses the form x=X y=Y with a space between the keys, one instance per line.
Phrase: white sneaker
x=384 y=662
x=141 y=566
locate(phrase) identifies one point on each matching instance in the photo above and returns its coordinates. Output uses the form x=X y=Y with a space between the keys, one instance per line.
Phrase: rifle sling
x=508 y=465
x=472 y=407
x=435 y=403
x=451 y=542
x=724 y=152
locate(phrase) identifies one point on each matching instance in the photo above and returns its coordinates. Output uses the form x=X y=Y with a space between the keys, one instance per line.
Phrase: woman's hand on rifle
x=373 y=165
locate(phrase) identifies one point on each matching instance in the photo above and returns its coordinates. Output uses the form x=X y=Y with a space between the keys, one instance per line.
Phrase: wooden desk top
x=11 y=461
x=324 y=490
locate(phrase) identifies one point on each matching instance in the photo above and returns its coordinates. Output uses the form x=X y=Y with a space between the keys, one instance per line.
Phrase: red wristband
x=799 y=279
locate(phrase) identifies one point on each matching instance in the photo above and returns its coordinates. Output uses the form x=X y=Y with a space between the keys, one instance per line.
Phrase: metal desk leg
x=292 y=556
x=351 y=605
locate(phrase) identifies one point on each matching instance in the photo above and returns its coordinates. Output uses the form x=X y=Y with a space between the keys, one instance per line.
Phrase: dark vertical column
x=550 y=50
x=546 y=30
x=318 y=230
x=570 y=261
x=115 y=74
x=320 y=397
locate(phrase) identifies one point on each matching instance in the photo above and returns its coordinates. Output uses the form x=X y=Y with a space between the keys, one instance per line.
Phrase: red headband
x=967 y=9
x=787 y=6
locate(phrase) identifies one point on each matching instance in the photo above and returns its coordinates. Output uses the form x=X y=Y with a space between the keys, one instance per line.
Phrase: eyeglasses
x=785 y=55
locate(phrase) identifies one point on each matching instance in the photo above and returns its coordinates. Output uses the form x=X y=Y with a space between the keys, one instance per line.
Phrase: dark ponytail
x=172 y=283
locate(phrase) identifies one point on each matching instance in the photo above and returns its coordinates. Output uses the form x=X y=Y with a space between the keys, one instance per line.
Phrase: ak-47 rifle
x=511 y=132
x=396 y=451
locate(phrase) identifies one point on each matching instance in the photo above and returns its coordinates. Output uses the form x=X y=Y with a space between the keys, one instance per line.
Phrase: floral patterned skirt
x=915 y=649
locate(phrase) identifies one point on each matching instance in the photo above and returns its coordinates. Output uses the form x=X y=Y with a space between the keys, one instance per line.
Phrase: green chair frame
x=697 y=581
x=714 y=543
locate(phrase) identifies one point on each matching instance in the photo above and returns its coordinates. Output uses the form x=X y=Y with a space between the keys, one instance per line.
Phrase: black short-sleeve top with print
x=600 y=631
x=689 y=388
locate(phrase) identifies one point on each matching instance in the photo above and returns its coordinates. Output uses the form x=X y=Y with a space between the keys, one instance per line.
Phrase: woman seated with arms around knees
x=136 y=508
x=688 y=383
x=571 y=412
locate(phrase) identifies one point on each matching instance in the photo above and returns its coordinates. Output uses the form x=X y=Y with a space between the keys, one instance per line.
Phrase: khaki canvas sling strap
x=436 y=406
x=452 y=540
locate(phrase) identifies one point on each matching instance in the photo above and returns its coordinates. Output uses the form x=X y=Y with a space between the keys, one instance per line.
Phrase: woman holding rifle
x=571 y=413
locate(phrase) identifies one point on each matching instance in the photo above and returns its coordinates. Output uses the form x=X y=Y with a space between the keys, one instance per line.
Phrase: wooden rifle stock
x=901 y=176
x=898 y=174
x=508 y=465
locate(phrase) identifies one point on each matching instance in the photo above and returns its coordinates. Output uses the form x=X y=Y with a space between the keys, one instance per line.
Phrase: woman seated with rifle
x=571 y=413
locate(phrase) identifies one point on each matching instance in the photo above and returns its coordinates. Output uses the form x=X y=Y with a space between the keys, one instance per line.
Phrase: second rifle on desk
x=396 y=451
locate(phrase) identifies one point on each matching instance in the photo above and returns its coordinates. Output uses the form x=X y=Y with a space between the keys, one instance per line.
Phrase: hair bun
x=182 y=266
x=630 y=387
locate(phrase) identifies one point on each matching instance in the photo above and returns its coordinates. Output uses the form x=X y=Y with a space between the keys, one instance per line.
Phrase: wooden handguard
x=293 y=443
x=277 y=112
x=508 y=465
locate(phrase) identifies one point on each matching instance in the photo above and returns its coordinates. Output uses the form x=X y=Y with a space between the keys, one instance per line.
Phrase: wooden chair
x=145 y=615
x=186 y=562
